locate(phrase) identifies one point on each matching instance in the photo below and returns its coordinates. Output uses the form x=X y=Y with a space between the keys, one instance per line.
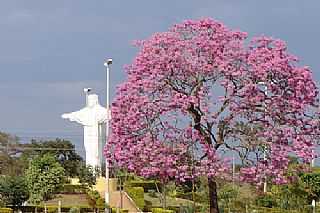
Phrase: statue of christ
x=93 y=118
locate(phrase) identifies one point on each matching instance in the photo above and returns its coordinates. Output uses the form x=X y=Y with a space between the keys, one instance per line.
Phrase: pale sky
x=51 y=50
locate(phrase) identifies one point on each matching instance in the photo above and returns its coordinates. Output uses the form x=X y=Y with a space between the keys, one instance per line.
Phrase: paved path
x=115 y=196
x=115 y=201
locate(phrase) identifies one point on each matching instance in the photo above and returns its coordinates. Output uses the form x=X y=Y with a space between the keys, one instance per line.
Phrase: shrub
x=52 y=209
x=266 y=201
x=146 y=185
x=114 y=210
x=95 y=200
x=82 y=209
x=137 y=194
x=72 y=189
x=152 y=193
x=6 y=210
x=74 y=210
x=160 y=210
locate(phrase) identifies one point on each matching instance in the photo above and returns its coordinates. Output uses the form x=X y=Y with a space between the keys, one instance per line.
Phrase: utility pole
x=265 y=147
x=107 y=64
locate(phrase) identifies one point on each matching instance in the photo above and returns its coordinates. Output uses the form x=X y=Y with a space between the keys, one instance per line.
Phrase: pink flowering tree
x=201 y=90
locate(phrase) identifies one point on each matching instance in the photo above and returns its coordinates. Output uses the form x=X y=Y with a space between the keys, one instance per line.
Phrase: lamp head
x=86 y=90
x=108 y=62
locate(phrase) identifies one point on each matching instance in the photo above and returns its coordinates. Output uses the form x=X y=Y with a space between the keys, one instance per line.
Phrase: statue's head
x=93 y=100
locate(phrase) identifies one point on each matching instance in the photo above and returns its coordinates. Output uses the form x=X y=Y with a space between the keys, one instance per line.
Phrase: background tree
x=44 y=176
x=95 y=200
x=87 y=175
x=63 y=150
x=13 y=190
x=311 y=185
x=9 y=155
x=197 y=91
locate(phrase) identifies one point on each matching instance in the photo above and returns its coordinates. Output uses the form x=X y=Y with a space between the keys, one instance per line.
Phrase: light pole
x=107 y=64
x=265 y=90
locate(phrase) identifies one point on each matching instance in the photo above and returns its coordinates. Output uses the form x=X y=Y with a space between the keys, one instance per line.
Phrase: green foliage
x=62 y=150
x=6 y=210
x=160 y=210
x=87 y=175
x=228 y=192
x=9 y=162
x=171 y=189
x=311 y=182
x=14 y=156
x=145 y=184
x=95 y=200
x=72 y=189
x=13 y=190
x=266 y=201
x=74 y=210
x=184 y=190
x=114 y=210
x=186 y=209
x=54 y=208
x=290 y=196
x=44 y=176
x=137 y=194
x=152 y=193
x=297 y=195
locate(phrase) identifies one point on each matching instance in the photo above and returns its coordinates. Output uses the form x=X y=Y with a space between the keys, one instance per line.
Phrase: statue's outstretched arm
x=73 y=116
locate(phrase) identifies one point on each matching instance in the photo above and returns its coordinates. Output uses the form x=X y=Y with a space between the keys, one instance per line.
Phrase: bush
x=6 y=210
x=114 y=210
x=52 y=209
x=137 y=194
x=152 y=193
x=81 y=209
x=146 y=185
x=160 y=210
x=95 y=200
x=74 y=210
x=266 y=201
x=72 y=189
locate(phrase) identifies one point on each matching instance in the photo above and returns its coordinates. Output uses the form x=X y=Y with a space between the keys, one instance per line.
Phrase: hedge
x=160 y=210
x=137 y=195
x=6 y=210
x=72 y=189
x=265 y=210
x=114 y=210
x=54 y=208
x=146 y=185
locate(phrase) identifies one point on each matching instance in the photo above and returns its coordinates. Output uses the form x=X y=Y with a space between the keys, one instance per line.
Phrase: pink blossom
x=196 y=90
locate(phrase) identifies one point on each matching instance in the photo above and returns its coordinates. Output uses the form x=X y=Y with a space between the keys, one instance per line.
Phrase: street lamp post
x=265 y=151
x=107 y=64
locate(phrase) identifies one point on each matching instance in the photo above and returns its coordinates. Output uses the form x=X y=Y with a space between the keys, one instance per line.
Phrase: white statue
x=93 y=118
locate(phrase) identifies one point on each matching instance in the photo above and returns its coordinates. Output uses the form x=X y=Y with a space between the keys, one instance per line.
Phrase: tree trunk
x=164 y=197
x=213 y=196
